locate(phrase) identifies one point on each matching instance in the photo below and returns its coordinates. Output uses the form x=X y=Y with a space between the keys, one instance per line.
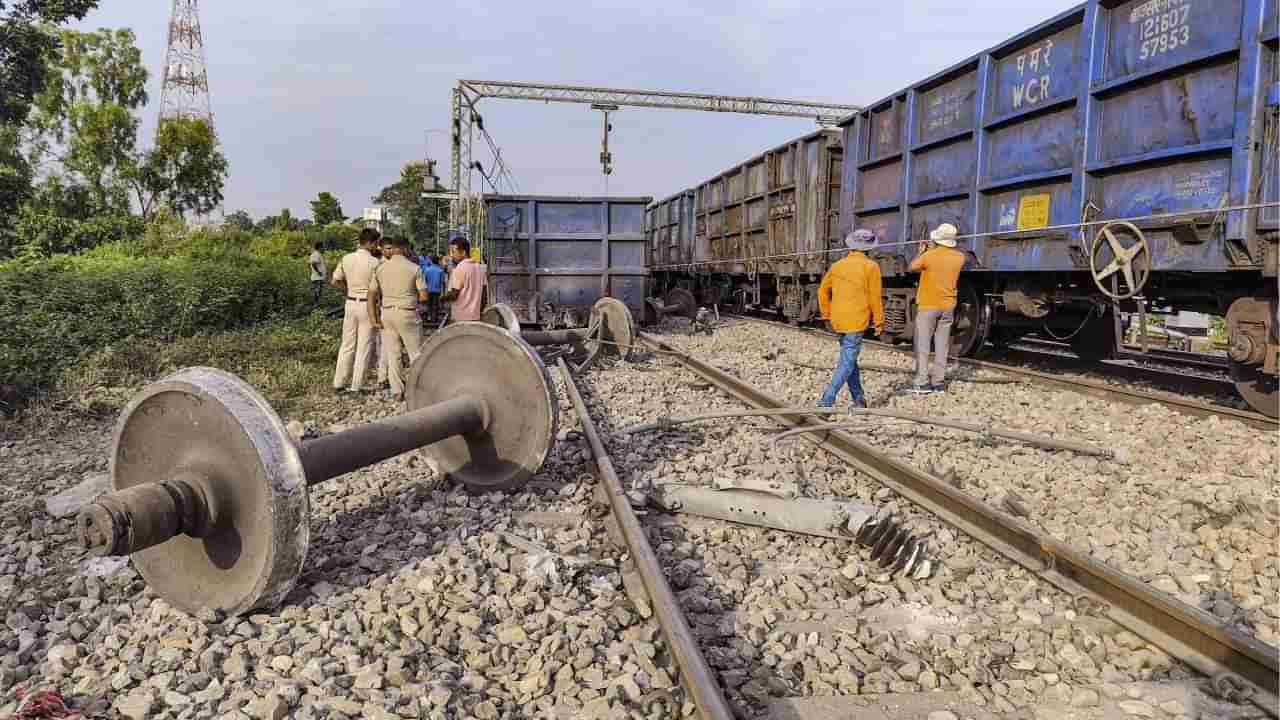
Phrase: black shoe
x=385 y=386
x=859 y=404
x=938 y=387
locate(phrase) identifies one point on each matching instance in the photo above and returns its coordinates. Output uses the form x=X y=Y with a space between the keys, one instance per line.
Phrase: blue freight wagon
x=552 y=257
x=1119 y=157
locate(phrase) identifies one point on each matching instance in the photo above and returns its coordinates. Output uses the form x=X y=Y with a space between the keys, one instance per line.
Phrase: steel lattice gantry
x=469 y=92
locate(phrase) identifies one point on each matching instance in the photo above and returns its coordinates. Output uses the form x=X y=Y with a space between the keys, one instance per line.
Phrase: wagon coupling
x=210 y=491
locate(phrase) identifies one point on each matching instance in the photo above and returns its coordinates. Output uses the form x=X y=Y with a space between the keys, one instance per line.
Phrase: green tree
x=185 y=169
x=415 y=214
x=26 y=44
x=83 y=125
x=326 y=209
x=239 y=220
x=15 y=185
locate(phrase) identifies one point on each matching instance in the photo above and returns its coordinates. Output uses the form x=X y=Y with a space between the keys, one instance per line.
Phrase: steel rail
x=1186 y=633
x=1084 y=386
x=699 y=680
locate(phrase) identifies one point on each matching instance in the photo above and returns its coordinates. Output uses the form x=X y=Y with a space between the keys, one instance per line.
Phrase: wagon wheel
x=1133 y=262
x=972 y=322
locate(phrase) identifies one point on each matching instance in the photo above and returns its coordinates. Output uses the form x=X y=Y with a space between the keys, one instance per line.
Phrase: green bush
x=55 y=311
x=288 y=361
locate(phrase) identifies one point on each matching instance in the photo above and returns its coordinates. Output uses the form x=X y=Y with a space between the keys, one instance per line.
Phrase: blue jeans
x=846 y=371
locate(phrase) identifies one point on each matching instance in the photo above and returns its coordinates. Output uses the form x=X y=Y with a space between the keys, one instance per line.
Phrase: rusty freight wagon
x=551 y=258
x=1119 y=157
x=756 y=235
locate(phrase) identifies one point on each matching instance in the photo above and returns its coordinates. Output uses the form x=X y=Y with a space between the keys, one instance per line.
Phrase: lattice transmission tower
x=185 y=92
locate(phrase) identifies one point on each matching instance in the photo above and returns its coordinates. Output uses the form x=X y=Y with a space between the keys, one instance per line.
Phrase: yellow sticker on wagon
x=1033 y=211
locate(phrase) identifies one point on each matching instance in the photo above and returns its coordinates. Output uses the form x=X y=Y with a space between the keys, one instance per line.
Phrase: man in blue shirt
x=433 y=274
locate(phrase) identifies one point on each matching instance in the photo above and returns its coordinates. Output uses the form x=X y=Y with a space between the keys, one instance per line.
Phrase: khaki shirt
x=357 y=270
x=398 y=281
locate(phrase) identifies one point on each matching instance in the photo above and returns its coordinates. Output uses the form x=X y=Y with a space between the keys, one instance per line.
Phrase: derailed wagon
x=552 y=257
x=1116 y=158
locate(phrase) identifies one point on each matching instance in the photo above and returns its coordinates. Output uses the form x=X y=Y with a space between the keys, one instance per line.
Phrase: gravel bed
x=1191 y=507
x=788 y=615
x=417 y=601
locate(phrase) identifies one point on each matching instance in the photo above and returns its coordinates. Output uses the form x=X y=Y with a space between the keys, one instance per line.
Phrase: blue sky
x=335 y=96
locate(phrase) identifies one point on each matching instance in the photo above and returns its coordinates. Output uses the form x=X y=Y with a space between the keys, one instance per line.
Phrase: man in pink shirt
x=466 y=283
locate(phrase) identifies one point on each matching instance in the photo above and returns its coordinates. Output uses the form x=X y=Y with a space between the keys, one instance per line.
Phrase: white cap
x=861 y=240
x=944 y=234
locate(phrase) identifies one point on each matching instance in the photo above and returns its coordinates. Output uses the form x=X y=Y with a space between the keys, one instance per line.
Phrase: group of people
x=390 y=293
x=849 y=298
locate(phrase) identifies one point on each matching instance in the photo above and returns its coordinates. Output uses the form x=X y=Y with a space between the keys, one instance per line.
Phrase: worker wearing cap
x=939 y=265
x=394 y=293
x=353 y=274
x=850 y=298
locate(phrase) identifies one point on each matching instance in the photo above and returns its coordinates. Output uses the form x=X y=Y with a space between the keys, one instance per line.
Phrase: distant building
x=375 y=218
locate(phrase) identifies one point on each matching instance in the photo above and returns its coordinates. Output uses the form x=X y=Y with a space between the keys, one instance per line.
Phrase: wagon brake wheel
x=1135 y=273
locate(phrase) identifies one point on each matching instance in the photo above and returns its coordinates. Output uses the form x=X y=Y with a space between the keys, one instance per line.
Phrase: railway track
x=420 y=599
x=1191 y=636
x=1087 y=386
x=1186 y=372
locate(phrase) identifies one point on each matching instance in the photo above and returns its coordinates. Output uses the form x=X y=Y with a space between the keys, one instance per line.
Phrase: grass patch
x=289 y=361
x=55 y=313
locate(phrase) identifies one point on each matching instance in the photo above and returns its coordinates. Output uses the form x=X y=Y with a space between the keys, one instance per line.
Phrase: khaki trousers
x=932 y=325
x=357 y=341
x=401 y=330
x=378 y=356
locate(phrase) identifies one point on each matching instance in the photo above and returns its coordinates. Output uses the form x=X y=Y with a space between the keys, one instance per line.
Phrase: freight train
x=1117 y=158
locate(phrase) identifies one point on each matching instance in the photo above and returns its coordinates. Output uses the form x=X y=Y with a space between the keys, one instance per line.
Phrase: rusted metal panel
x=564 y=253
x=926 y=217
x=880 y=186
x=755 y=178
x=1039 y=74
x=946 y=169
x=784 y=192
x=734 y=182
x=886 y=132
x=947 y=108
x=1189 y=109
x=756 y=213
x=1040 y=144
x=1146 y=35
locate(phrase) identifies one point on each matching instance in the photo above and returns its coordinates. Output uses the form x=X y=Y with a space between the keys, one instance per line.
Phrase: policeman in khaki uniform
x=394 y=294
x=353 y=274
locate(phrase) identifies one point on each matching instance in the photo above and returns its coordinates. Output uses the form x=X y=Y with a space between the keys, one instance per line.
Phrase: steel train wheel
x=213 y=424
x=490 y=363
x=972 y=322
x=1260 y=390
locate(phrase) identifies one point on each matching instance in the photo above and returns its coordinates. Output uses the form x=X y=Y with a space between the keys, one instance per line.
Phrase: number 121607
x=1165 y=32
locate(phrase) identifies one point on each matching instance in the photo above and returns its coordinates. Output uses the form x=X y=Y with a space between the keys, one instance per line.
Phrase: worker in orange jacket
x=849 y=298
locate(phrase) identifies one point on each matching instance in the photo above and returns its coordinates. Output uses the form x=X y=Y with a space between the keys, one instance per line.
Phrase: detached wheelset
x=612 y=330
x=679 y=302
x=210 y=491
